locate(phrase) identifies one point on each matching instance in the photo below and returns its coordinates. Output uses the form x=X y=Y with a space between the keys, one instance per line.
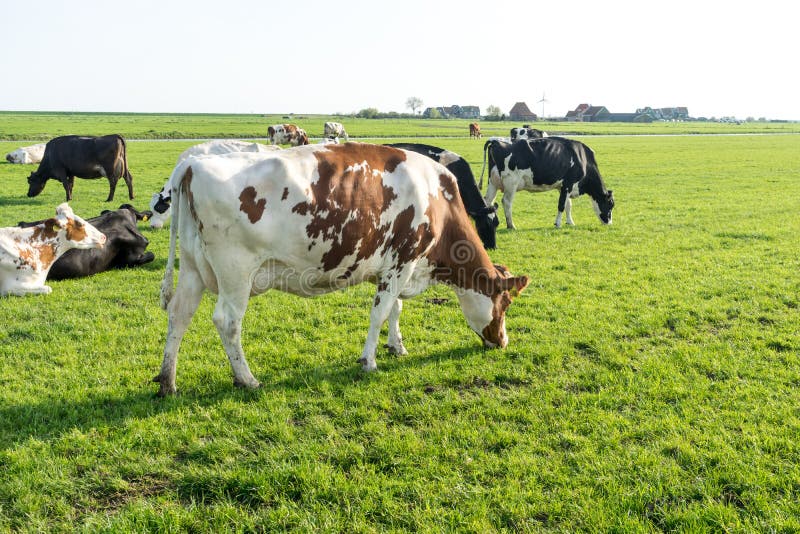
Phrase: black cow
x=526 y=132
x=542 y=165
x=125 y=246
x=484 y=215
x=85 y=157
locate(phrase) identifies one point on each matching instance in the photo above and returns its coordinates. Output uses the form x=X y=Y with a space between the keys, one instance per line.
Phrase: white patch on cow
x=575 y=191
x=477 y=310
x=597 y=210
x=447 y=157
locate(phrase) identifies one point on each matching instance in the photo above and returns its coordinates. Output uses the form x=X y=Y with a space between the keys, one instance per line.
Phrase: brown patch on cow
x=253 y=209
x=76 y=231
x=285 y=193
x=47 y=255
x=25 y=259
x=186 y=187
x=348 y=199
x=46 y=230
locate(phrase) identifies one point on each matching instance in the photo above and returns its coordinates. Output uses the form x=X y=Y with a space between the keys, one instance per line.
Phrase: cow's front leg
x=395 y=341
x=508 y=199
x=30 y=289
x=68 y=182
x=382 y=306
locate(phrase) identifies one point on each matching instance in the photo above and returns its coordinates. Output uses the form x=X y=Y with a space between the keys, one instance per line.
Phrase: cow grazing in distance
x=85 y=157
x=545 y=164
x=485 y=216
x=320 y=218
x=526 y=132
x=474 y=130
x=282 y=134
x=160 y=202
x=26 y=154
x=125 y=246
x=27 y=254
x=335 y=130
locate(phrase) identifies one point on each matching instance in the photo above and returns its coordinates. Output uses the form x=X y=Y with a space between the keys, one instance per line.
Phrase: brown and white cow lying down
x=317 y=219
x=27 y=254
x=281 y=134
x=125 y=246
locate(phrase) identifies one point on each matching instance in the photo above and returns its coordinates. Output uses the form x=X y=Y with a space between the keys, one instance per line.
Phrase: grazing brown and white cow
x=335 y=130
x=160 y=202
x=26 y=154
x=85 y=157
x=27 y=254
x=317 y=219
x=282 y=134
x=474 y=130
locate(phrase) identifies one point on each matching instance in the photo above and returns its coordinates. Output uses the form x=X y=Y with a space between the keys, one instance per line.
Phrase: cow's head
x=73 y=230
x=160 y=205
x=603 y=206
x=485 y=310
x=486 y=223
x=36 y=184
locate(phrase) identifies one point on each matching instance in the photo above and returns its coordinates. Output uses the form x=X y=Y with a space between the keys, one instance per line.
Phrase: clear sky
x=309 y=56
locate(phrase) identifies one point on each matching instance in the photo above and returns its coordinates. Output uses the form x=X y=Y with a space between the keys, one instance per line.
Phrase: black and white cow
x=526 y=132
x=124 y=247
x=85 y=157
x=545 y=164
x=484 y=215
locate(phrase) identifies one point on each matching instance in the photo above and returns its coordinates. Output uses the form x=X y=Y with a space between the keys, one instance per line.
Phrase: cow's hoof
x=249 y=384
x=398 y=350
x=367 y=365
x=165 y=388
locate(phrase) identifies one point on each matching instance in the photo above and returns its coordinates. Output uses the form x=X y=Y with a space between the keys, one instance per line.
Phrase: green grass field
x=650 y=384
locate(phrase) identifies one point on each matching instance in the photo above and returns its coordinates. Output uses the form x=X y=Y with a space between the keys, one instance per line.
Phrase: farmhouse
x=521 y=112
x=454 y=111
x=589 y=113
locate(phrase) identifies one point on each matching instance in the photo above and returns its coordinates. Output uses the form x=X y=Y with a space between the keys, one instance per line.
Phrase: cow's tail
x=167 y=284
x=483 y=168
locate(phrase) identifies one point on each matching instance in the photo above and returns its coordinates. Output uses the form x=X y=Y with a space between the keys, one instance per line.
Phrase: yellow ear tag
x=56 y=227
x=144 y=218
x=514 y=292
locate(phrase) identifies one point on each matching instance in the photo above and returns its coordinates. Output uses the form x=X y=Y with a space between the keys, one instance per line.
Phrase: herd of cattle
x=306 y=220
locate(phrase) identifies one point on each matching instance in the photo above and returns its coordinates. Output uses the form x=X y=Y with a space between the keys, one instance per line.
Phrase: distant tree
x=413 y=103
x=493 y=113
x=435 y=114
x=368 y=113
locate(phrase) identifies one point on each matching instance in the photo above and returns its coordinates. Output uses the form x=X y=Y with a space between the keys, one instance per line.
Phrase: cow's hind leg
x=112 y=186
x=508 y=199
x=227 y=318
x=181 y=309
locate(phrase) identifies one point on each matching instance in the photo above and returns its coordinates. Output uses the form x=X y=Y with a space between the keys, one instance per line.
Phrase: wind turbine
x=543 y=100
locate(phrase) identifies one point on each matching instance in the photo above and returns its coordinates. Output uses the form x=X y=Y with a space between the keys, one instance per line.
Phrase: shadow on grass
x=49 y=419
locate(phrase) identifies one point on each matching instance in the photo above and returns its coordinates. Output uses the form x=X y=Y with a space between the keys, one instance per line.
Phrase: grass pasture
x=650 y=384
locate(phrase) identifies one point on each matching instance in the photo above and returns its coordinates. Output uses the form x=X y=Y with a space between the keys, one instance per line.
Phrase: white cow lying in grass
x=26 y=254
x=27 y=154
x=161 y=201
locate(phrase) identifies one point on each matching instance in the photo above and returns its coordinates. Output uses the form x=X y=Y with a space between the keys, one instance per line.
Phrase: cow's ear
x=515 y=285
